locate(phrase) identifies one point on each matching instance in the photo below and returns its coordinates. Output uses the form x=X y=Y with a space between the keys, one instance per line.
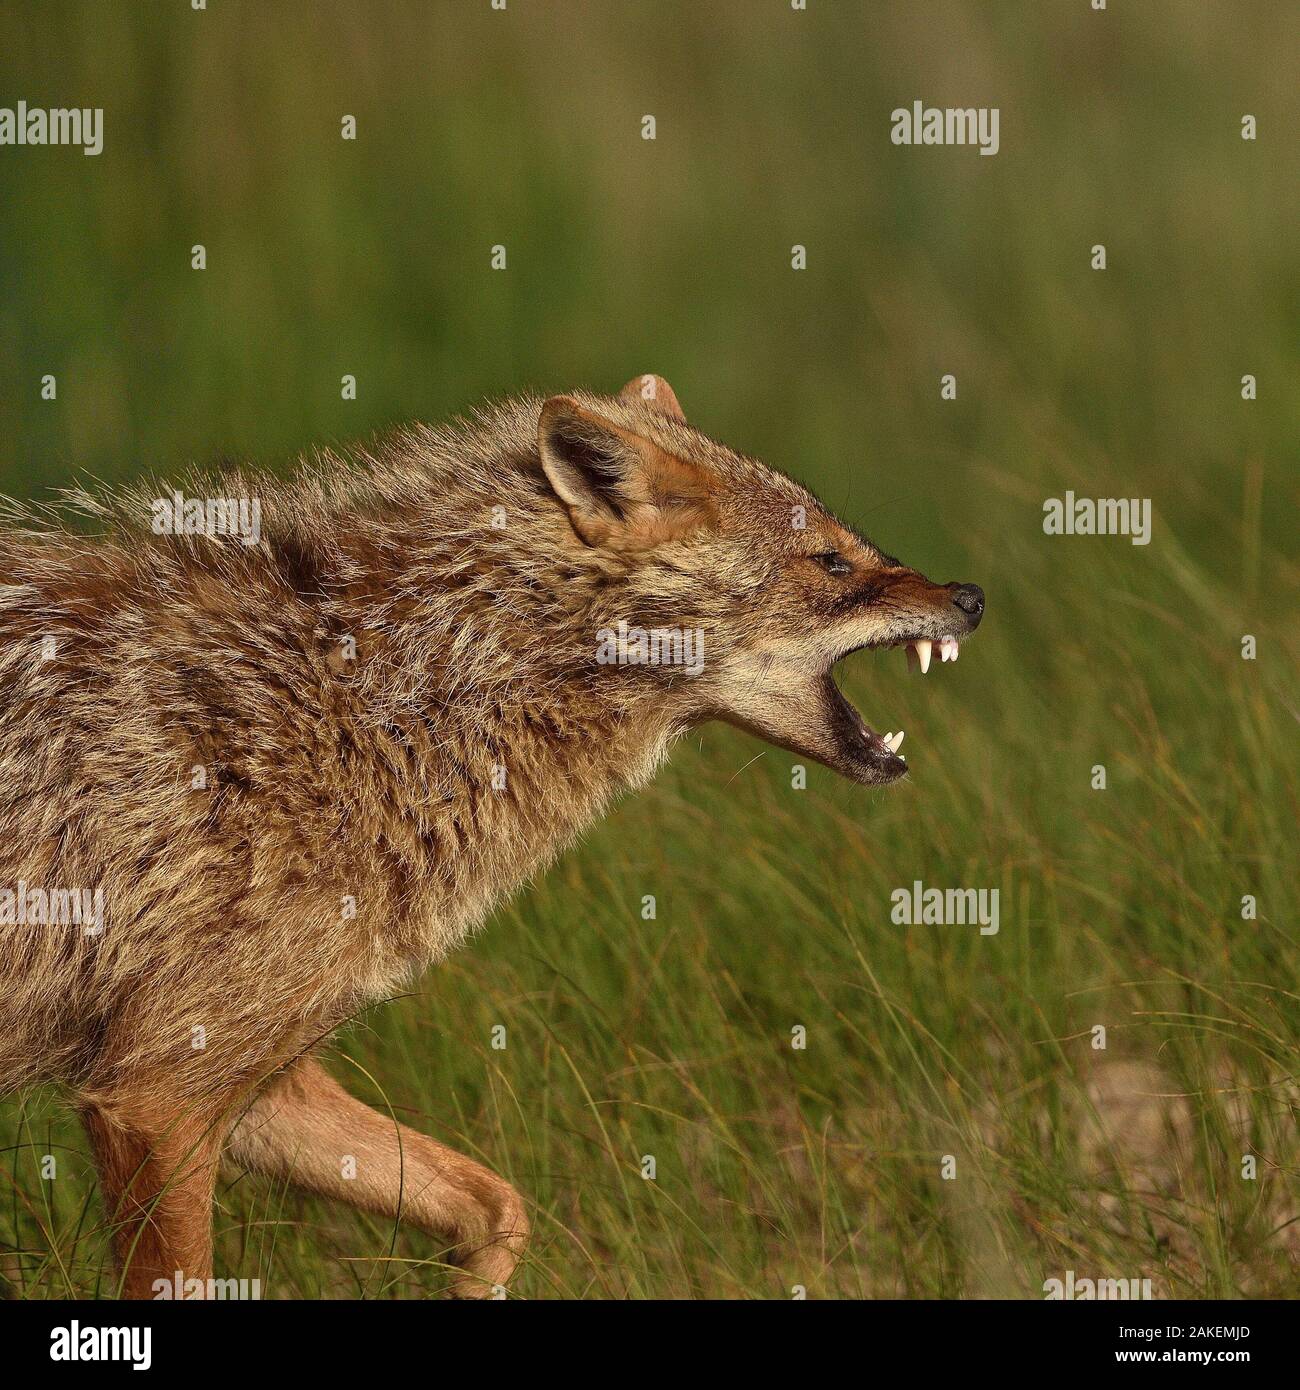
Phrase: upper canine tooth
x=895 y=741
x=923 y=645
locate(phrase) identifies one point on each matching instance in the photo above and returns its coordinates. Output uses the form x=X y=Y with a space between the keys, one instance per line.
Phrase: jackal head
x=696 y=538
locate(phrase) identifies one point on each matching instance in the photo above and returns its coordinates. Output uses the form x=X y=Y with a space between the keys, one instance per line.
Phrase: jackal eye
x=833 y=563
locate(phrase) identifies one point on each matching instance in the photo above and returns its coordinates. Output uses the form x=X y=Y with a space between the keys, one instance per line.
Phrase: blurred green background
x=776 y=1168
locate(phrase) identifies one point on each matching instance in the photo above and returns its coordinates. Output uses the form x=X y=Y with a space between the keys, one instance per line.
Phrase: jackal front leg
x=157 y=1172
x=305 y=1127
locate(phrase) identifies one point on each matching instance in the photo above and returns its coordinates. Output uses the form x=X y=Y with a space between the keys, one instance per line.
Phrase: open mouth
x=876 y=752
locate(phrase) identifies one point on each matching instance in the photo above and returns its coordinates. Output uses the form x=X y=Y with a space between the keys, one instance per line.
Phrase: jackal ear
x=654 y=392
x=622 y=491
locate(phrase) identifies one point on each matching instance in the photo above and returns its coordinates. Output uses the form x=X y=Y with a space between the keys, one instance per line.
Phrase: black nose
x=970 y=599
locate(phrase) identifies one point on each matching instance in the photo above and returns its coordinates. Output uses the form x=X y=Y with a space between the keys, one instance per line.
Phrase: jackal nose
x=970 y=599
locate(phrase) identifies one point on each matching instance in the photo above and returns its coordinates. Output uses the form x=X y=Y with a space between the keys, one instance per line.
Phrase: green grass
x=775 y=1167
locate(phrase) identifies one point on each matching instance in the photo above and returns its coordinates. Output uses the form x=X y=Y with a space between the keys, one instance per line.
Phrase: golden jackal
x=267 y=750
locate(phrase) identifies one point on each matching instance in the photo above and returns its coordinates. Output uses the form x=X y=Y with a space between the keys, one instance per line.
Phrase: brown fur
x=128 y=660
